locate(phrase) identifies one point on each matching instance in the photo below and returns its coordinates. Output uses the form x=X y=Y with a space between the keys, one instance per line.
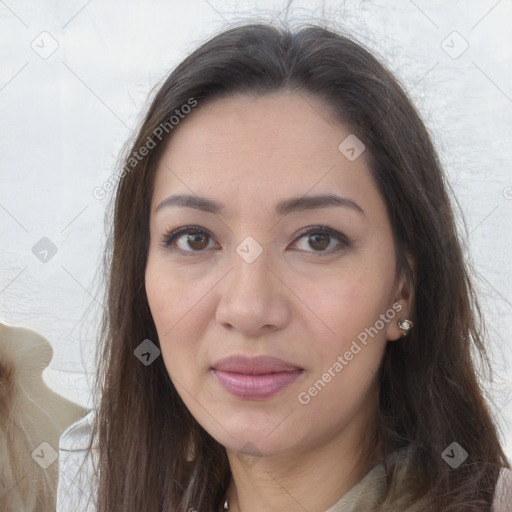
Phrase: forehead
x=254 y=151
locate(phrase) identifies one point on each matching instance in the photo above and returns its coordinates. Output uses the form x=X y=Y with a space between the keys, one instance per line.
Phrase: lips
x=255 y=377
x=254 y=365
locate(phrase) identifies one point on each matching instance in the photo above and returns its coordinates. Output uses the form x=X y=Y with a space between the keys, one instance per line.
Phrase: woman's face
x=274 y=307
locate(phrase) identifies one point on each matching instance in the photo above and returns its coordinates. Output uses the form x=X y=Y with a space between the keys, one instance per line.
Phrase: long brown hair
x=430 y=394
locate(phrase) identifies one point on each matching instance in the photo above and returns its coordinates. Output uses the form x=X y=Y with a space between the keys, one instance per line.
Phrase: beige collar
x=368 y=492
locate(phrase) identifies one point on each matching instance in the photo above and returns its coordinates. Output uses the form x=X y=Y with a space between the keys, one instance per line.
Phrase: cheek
x=350 y=305
x=163 y=300
x=173 y=294
x=348 y=358
x=176 y=310
x=351 y=349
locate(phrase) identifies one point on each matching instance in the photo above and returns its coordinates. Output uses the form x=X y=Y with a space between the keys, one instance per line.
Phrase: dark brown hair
x=430 y=393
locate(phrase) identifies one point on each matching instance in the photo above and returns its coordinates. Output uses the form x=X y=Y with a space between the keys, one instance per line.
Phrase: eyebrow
x=294 y=204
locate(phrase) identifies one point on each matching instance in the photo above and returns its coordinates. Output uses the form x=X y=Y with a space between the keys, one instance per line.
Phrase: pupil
x=193 y=239
x=319 y=235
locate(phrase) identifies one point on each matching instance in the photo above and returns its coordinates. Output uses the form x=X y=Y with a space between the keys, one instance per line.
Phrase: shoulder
x=503 y=494
x=76 y=488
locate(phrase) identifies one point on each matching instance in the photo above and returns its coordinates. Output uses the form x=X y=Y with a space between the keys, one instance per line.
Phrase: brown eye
x=319 y=241
x=319 y=238
x=193 y=240
x=187 y=239
x=197 y=241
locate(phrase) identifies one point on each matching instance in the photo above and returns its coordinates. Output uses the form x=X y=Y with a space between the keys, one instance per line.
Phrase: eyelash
x=171 y=236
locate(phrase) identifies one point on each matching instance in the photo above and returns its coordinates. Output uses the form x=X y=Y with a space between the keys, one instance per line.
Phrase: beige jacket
x=366 y=494
x=76 y=492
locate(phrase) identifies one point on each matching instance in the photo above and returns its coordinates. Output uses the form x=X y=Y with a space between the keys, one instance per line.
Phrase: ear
x=403 y=301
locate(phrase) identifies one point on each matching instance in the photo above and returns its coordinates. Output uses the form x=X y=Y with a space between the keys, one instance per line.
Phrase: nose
x=254 y=299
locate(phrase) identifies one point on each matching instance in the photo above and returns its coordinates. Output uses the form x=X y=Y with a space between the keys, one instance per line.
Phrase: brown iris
x=314 y=237
x=197 y=238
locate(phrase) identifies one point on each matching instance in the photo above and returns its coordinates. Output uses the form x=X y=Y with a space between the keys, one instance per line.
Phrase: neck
x=312 y=480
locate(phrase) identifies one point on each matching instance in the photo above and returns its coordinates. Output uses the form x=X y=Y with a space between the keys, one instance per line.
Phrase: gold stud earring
x=405 y=325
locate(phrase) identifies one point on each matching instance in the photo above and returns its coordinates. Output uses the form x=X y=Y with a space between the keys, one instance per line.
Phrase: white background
x=66 y=115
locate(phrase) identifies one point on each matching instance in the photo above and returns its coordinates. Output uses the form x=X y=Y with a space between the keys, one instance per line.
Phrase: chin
x=254 y=433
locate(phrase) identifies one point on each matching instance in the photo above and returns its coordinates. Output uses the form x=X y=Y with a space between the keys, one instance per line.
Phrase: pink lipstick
x=255 y=377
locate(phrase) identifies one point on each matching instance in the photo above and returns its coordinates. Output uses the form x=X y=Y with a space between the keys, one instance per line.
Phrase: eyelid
x=172 y=235
x=325 y=230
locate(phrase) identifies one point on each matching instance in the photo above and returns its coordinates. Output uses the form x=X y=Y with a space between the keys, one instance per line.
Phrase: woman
x=290 y=320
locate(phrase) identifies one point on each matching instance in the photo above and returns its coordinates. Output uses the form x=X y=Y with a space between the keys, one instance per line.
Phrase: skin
x=291 y=302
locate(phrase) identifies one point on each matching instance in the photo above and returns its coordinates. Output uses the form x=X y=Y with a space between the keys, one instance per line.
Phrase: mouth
x=255 y=377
